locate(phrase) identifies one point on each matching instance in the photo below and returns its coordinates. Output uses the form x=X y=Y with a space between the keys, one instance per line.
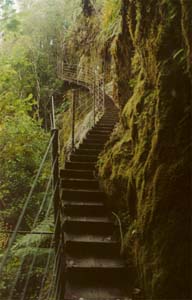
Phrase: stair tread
x=83 y=190
x=92 y=262
x=94 y=292
x=88 y=219
x=83 y=158
x=78 y=203
x=91 y=151
x=76 y=165
x=79 y=180
x=74 y=173
x=91 y=238
x=81 y=162
x=83 y=155
x=77 y=171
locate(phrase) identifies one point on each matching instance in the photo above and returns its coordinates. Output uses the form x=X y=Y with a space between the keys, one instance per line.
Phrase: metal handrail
x=53 y=203
x=83 y=112
x=94 y=82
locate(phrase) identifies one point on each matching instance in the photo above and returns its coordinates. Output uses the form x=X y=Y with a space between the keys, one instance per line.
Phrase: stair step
x=95 y=142
x=90 y=145
x=83 y=195
x=89 y=275
x=83 y=158
x=105 y=128
x=95 y=292
x=87 y=152
x=84 y=209
x=80 y=183
x=109 y=119
x=96 y=137
x=80 y=165
x=88 y=225
x=70 y=173
x=96 y=245
x=90 y=262
x=100 y=132
x=105 y=123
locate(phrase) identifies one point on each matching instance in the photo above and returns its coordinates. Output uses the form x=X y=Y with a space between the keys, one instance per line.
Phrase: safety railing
x=85 y=107
x=30 y=257
x=89 y=78
x=78 y=75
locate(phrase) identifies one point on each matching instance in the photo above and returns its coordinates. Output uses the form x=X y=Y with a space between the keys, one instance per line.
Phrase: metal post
x=94 y=104
x=53 y=112
x=73 y=119
x=56 y=196
x=104 y=71
x=103 y=93
x=98 y=95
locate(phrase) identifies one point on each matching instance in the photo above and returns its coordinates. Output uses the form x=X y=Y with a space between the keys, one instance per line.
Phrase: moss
x=145 y=167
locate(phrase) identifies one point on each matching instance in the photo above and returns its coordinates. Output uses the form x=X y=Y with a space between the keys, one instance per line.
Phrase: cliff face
x=145 y=168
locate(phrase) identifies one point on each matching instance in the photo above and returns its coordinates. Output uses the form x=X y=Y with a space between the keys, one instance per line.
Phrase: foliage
x=145 y=166
x=111 y=19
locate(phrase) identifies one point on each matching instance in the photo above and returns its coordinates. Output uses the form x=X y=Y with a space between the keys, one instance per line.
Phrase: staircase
x=93 y=266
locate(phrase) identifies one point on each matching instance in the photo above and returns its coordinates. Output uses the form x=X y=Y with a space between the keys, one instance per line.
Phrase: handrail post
x=94 y=104
x=56 y=204
x=56 y=196
x=104 y=91
x=73 y=119
x=53 y=113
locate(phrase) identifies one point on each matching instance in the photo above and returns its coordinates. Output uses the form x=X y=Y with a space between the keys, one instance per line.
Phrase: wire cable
x=13 y=237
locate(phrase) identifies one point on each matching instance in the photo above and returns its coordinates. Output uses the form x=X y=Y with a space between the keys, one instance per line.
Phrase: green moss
x=145 y=167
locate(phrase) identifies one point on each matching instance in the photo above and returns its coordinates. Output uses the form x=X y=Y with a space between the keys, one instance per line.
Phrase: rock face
x=145 y=168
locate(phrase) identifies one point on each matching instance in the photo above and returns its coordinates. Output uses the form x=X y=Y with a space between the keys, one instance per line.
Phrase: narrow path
x=93 y=266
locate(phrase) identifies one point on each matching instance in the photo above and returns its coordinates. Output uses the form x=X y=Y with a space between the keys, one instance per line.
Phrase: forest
x=133 y=64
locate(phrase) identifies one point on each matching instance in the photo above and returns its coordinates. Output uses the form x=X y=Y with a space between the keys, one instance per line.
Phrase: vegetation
x=145 y=165
x=145 y=49
x=32 y=45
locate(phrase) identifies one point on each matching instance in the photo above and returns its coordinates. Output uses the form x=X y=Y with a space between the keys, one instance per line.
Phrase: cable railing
x=77 y=120
x=89 y=78
x=28 y=258
x=33 y=257
x=86 y=106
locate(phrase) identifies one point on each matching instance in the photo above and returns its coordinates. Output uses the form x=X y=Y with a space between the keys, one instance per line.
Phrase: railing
x=90 y=79
x=82 y=110
x=85 y=107
x=31 y=251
